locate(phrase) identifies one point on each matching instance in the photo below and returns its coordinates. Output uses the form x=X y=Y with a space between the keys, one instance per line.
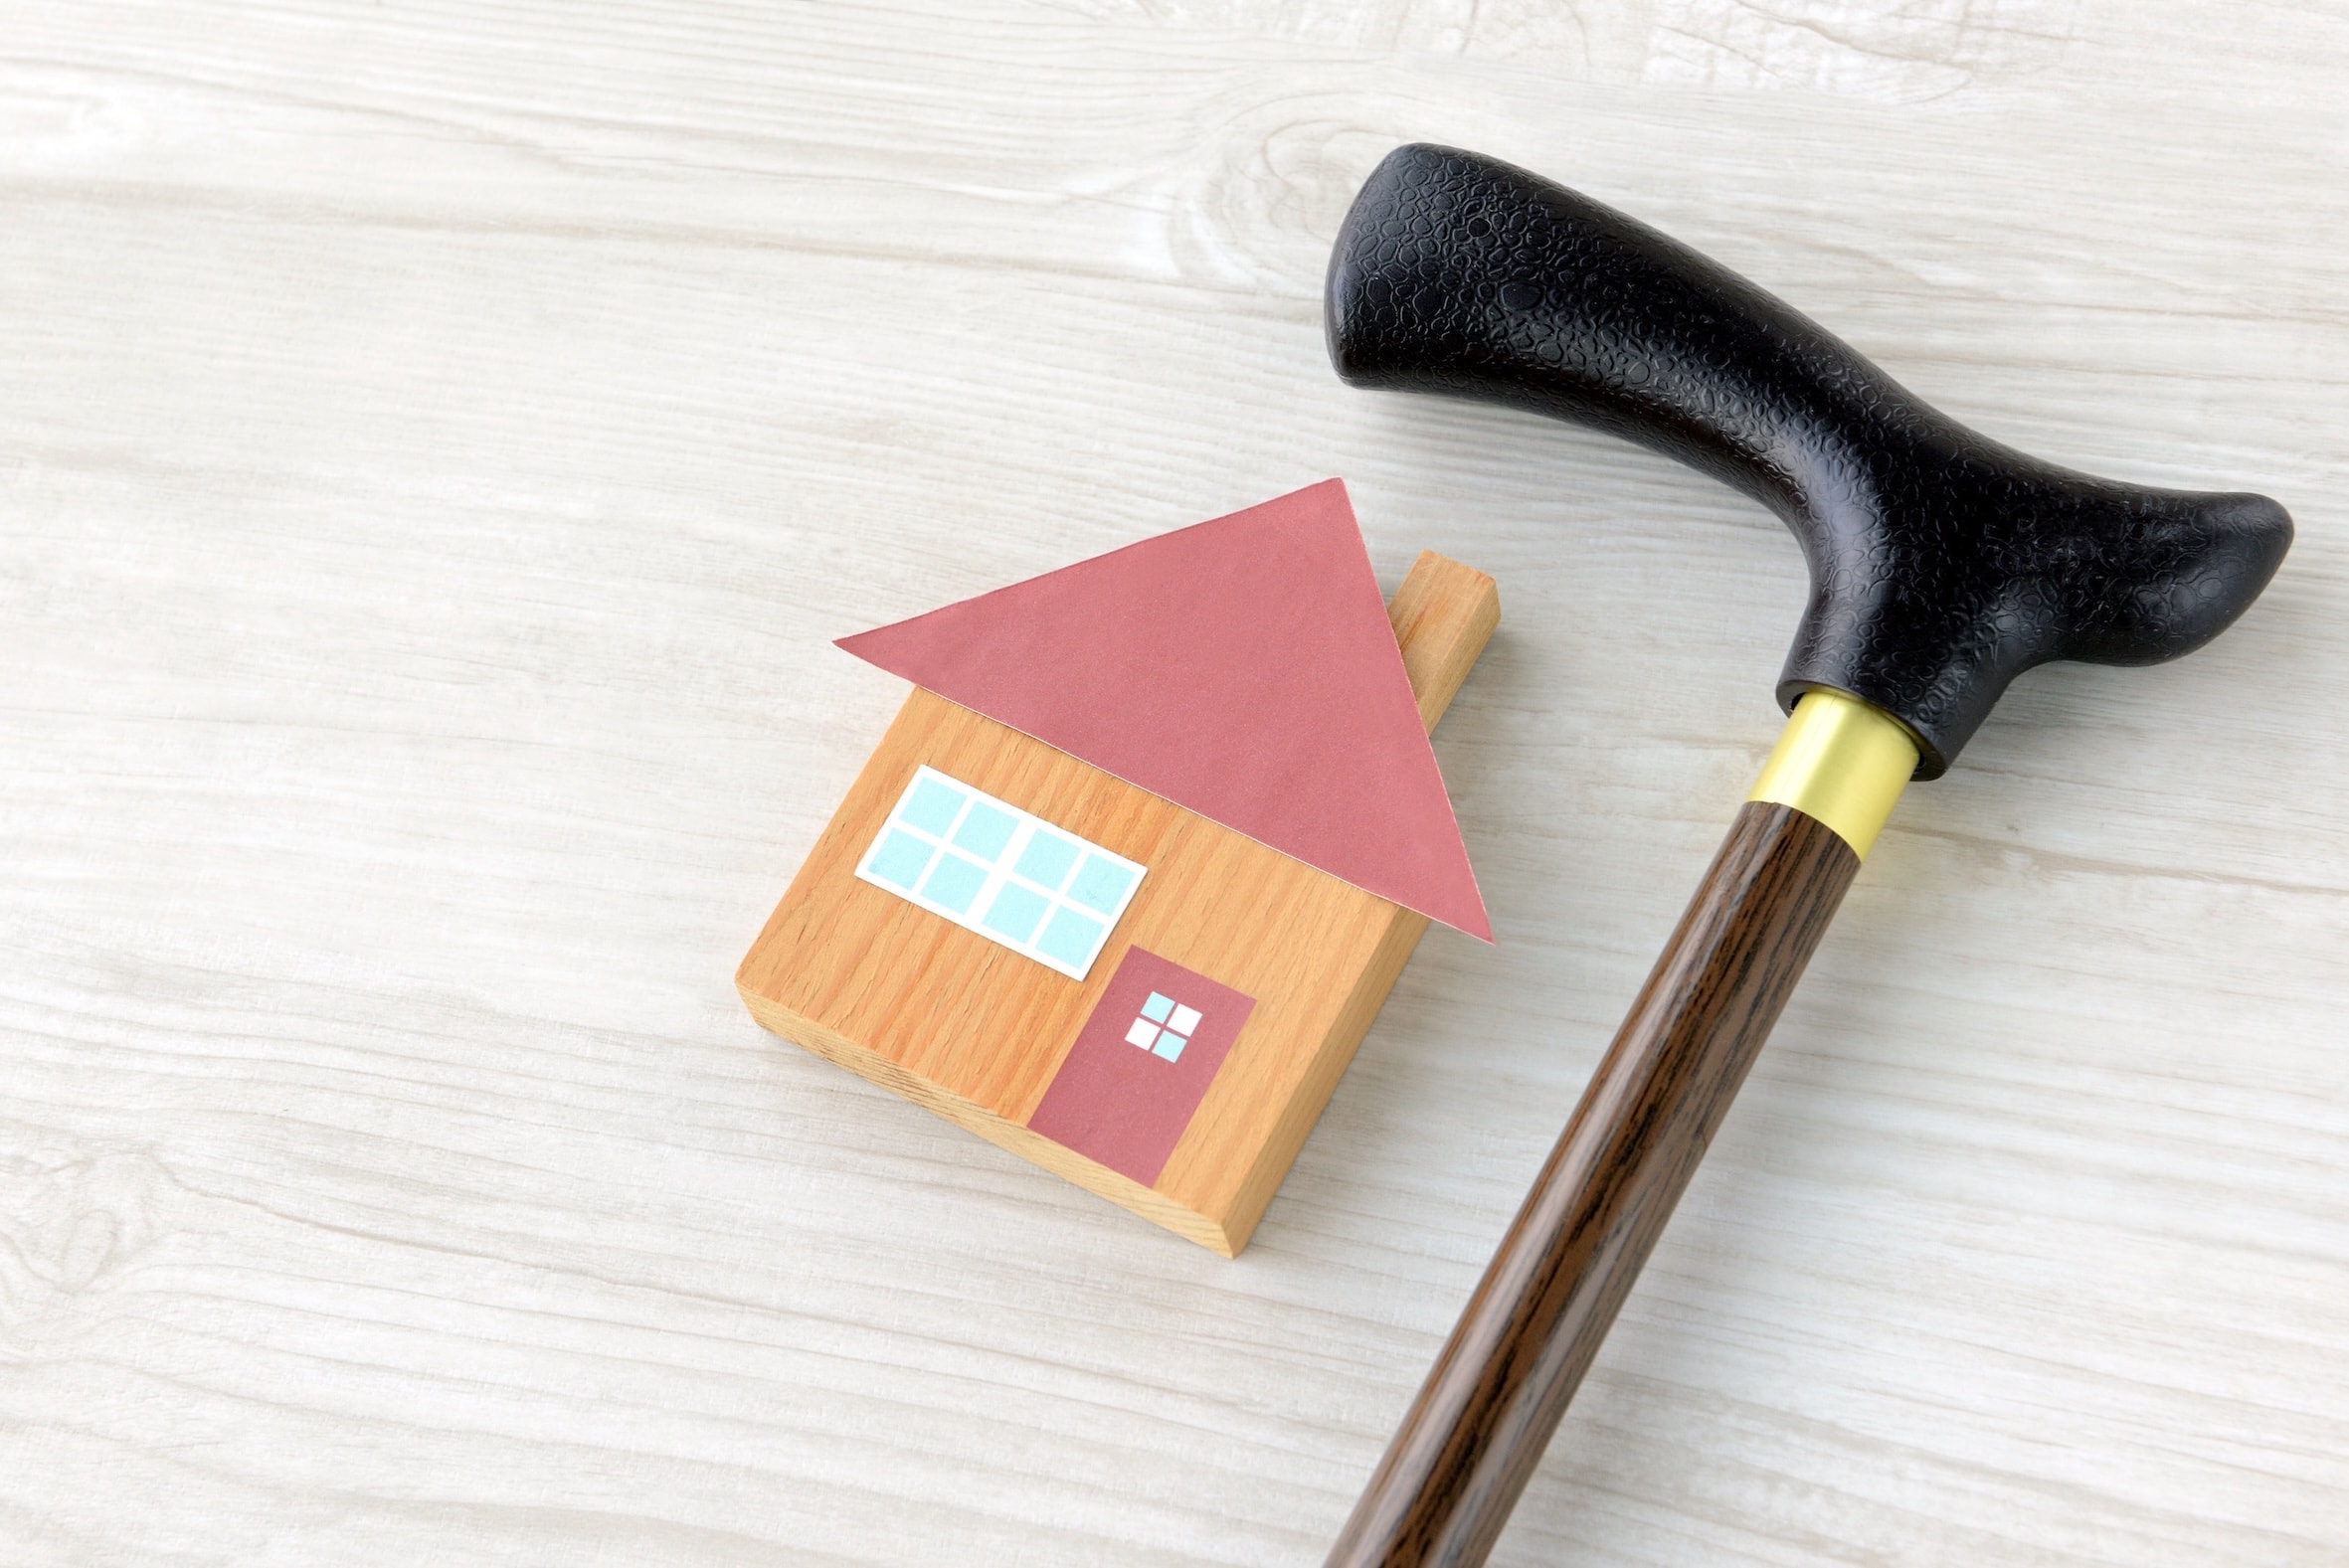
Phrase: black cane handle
x=1942 y=563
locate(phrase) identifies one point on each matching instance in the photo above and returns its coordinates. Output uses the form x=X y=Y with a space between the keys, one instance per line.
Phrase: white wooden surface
x=437 y=443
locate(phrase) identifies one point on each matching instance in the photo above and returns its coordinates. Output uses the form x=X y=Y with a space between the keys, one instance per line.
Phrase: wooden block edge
x=1443 y=616
x=1279 y=1151
x=1000 y=1131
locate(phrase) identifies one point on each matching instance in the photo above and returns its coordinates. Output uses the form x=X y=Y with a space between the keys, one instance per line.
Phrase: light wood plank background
x=437 y=443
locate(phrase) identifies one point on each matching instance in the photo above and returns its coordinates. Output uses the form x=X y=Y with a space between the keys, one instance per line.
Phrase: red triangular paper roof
x=1242 y=668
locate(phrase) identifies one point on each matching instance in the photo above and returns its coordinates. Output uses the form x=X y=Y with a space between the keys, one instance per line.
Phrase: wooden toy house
x=1137 y=864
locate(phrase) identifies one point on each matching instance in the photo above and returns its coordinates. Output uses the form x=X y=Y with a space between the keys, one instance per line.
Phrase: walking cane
x=1942 y=566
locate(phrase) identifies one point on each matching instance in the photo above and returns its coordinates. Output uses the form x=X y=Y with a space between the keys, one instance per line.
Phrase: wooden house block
x=1273 y=969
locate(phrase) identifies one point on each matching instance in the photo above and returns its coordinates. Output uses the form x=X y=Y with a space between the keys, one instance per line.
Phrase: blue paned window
x=985 y=830
x=931 y=805
x=1101 y=883
x=901 y=859
x=954 y=882
x=1046 y=859
x=1016 y=912
x=1070 y=935
x=1004 y=873
x=1164 y=1027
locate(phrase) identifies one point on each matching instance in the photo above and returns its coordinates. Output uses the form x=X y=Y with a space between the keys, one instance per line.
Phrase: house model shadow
x=1136 y=865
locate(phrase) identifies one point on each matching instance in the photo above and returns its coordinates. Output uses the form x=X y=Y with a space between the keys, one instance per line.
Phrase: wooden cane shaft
x=1486 y=1410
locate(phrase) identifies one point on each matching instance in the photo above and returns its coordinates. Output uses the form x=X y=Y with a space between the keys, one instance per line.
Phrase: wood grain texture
x=962 y=1027
x=1443 y=616
x=436 y=448
x=1483 y=1419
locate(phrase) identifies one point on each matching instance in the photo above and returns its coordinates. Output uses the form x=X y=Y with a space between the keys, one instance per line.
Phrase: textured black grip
x=1942 y=563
